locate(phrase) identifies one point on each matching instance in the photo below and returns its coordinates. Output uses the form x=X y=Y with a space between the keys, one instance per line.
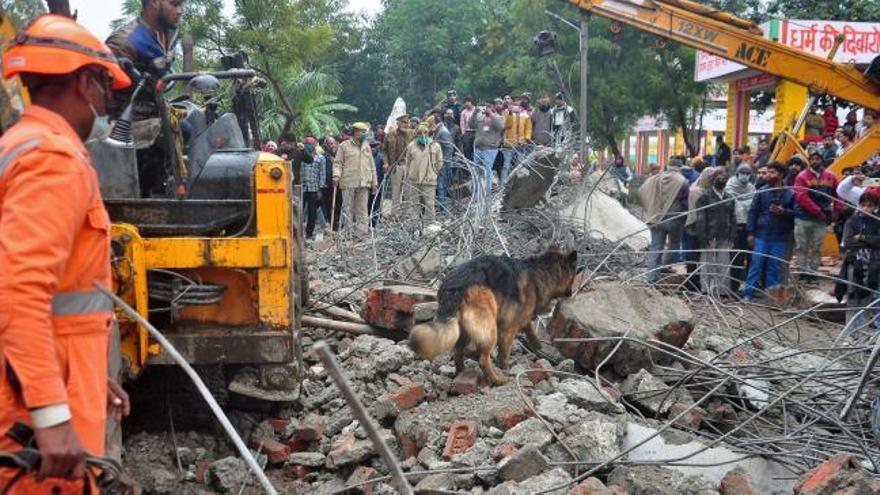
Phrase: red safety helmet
x=57 y=45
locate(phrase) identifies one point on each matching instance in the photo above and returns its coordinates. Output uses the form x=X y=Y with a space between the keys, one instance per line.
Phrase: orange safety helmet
x=57 y=45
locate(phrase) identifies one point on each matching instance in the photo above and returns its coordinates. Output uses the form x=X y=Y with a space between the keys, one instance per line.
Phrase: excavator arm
x=736 y=39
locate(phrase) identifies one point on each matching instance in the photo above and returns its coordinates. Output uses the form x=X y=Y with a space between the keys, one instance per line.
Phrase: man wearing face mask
x=814 y=194
x=54 y=243
x=424 y=159
x=354 y=173
x=741 y=188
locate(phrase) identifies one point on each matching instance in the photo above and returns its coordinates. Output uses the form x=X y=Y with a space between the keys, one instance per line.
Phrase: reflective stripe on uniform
x=16 y=152
x=75 y=303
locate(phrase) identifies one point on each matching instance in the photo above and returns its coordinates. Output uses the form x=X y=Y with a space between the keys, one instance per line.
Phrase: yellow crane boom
x=742 y=41
x=736 y=39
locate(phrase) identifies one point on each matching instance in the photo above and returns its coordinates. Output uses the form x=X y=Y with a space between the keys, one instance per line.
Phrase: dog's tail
x=429 y=340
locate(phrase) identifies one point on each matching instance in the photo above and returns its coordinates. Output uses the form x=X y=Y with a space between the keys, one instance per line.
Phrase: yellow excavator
x=742 y=41
x=219 y=267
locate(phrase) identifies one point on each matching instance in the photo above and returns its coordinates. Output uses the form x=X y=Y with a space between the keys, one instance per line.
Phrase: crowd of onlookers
x=345 y=178
x=736 y=218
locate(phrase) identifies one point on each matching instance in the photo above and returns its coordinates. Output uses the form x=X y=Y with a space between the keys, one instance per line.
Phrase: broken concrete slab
x=308 y=459
x=710 y=464
x=613 y=310
x=595 y=440
x=530 y=432
x=584 y=394
x=603 y=217
x=523 y=464
x=529 y=183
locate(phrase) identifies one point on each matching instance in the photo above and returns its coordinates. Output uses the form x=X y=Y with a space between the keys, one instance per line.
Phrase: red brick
x=407 y=396
x=279 y=424
x=276 y=451
x=297 y=444
x=202 y=469
x=462 y=435
x=311 y=428
x=617 y=489
x=361 y=474
x=504 y=450
x=297 y=472
x=740 y=355
x=676 y=334
x=693 y=419
x=838 y=472
x=590 y=486
x=392 y=307
x=542 y=370
x=509 y=417
x=737 y=482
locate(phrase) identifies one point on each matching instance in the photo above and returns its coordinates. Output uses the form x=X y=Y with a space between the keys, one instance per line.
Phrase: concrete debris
x=424 y=265
x=586 y=395
x=308 y=459
x=529 y=432
x=523 y=464
x=554 y=477
x=604 y=217
x=228 y=475
x=658 y=480
x=649 y=392
x=528 y=185
x=614 y=310
x=777 y=394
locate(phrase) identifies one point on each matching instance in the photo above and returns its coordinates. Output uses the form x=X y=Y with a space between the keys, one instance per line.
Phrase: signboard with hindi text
x=861 y=43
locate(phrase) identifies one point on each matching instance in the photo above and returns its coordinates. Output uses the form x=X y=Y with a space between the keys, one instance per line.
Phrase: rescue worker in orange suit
x=54 y=243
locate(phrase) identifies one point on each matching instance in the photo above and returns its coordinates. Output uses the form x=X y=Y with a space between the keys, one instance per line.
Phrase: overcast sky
x=97 y=14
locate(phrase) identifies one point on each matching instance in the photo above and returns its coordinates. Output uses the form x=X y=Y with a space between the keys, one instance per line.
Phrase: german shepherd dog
x=487 y=301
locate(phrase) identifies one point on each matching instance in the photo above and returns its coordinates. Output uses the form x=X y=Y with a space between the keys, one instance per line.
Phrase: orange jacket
x=54 y=243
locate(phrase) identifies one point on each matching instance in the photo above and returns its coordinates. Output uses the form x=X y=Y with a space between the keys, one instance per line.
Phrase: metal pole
x=333 y=369
x=584 y=37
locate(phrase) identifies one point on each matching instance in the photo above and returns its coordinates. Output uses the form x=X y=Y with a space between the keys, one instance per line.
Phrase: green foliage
x=286 y=41
x=838 y=10
x=21 y=11
x=312 y=94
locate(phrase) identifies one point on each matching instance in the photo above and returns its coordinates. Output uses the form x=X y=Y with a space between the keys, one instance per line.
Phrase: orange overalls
x=54 y=325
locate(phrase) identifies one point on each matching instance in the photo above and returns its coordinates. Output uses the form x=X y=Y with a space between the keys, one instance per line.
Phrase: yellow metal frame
x=269 y=253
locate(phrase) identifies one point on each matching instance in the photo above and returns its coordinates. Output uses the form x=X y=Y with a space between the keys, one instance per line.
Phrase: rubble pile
x=633 y=391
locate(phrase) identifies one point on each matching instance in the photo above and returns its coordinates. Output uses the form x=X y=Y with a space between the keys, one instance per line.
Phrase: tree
x=840 y=10
x=281 y=38
x=21 y=11
x=674 y=93
x=314 y=96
